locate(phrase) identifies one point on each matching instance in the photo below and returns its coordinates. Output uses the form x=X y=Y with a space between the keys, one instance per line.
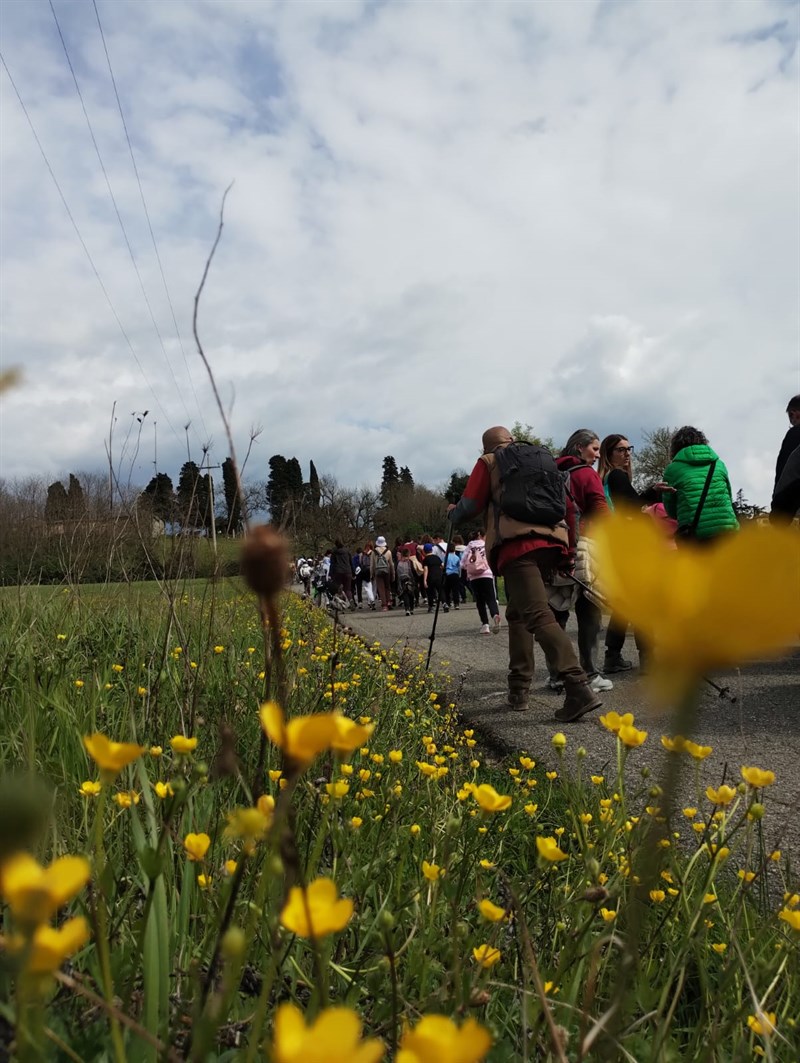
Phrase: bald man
x=524 y=554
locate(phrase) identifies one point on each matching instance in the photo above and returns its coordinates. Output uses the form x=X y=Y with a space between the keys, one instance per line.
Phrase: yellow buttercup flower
x=249 y=824
x=527 y=763
x=598 y=780
x=163 y=790
x=156 y=751
x=763 y=1024
x=657 y=896
x=349 y=735
x=338 y=788
x=333 y=1037
x=432 y=872
x=111 y=757
x=559 y=740
x=395 y=755
x=35 y=893
x=437 y=1039
x=719 y=947
x=630 y=736
x=608 y=914
x=548 y=848
x=493 y=912
x=50 y=947
x=127 y=798
x=757 y=778
x=196 y=846
x=486 y=956
x=490 y=800
x=790 y=916
x=612 y=721
x=356 y=822
x=722 y=796
x=697 y=751
x=203 y=881
x=317 y=910
x=182 y=745
x=415 y=828
x=89 y=788
x=701 y=610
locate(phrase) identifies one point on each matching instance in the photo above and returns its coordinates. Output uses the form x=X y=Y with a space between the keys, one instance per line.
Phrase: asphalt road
x=761 y=727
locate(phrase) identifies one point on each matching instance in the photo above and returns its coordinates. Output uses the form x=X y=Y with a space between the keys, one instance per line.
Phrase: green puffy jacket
x=687 y=473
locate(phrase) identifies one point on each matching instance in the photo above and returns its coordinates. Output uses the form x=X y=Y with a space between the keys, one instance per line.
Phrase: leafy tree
x=390 y=480
x=55 y=508
x=314 y=493
x=745 y=510
x=455 y=488
x=652 y=458
x=233 y=501
x=189 y=507
x=525 y=434
x=406 y=479
x=285 y=484
x=161 y=495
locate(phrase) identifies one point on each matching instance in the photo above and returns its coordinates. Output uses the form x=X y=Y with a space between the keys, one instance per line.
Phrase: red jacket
x=585 y=491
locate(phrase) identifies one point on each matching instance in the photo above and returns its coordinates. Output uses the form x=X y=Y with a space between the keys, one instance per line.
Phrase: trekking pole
x=723 y=691
x=432 y=636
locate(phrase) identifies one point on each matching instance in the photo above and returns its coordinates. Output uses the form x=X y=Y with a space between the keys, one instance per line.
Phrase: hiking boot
x=580 y=699
x=598 y=683
x=615 y=662
x=518 y=700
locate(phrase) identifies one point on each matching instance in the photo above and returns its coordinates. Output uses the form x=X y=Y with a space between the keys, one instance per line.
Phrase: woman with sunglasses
x=615 y=470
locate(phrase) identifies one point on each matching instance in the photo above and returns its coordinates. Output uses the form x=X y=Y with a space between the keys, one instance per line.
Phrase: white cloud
x=444 y=216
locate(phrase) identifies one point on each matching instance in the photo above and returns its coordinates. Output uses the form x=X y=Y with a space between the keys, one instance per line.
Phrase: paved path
x=761 y=728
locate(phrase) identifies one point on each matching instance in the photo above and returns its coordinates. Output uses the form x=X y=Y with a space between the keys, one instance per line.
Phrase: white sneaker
x=496 y=628
x=484 y=630
x=599 y=682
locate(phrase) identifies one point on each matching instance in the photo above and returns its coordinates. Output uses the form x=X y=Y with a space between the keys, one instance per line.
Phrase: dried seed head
x=596 y=895
x=264 y=561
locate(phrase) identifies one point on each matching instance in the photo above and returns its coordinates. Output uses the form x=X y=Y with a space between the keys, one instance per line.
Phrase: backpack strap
x=703 y=496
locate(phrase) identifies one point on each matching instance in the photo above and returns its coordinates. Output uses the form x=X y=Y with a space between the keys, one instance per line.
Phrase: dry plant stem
x=202 y=353
x=273 y=655
x=164 y=1051
x=537 y=978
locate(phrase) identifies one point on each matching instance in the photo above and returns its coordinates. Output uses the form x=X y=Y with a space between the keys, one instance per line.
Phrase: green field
x=613 y=932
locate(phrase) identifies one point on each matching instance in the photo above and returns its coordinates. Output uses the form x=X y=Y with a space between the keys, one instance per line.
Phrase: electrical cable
x=146 y=212
x=83 y=244
x=116 y=210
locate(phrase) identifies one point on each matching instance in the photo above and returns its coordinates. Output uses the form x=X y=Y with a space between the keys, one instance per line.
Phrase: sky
x=444 y=216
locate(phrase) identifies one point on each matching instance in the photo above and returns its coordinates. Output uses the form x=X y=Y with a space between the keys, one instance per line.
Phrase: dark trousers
x=383 y=588
x=407 y=592
x=530 y=617
x=615 y=637
x=345 y=581
x=590 y=619
x=434 y=592
x=452 y=589
x=485 y=598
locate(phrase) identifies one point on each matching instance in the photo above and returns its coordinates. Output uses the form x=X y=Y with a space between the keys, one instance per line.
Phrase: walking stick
x=723 y=691
x=432 y=636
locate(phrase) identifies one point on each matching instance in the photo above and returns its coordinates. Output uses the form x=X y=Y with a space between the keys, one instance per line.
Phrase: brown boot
x=580 y=699
x=518 y=700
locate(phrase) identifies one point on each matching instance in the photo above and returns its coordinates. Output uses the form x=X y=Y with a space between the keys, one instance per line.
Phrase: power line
x=116 y=208
x=146 y=212
x=83 y=242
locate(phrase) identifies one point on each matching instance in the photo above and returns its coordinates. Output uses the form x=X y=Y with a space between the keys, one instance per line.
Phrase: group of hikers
x=537 y=513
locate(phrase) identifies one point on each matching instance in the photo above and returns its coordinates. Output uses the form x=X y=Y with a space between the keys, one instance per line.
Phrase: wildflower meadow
x=230 y=830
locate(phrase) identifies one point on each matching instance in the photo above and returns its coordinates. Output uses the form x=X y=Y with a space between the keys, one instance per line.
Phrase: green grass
x=139 y=664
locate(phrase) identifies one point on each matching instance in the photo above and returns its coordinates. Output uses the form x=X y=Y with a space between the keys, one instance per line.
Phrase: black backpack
x=533 y=490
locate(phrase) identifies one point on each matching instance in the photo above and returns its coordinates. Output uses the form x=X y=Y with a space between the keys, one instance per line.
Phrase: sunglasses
x=623 y=450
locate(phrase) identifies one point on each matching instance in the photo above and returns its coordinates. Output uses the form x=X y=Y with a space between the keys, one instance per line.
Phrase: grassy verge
x=603 y=938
